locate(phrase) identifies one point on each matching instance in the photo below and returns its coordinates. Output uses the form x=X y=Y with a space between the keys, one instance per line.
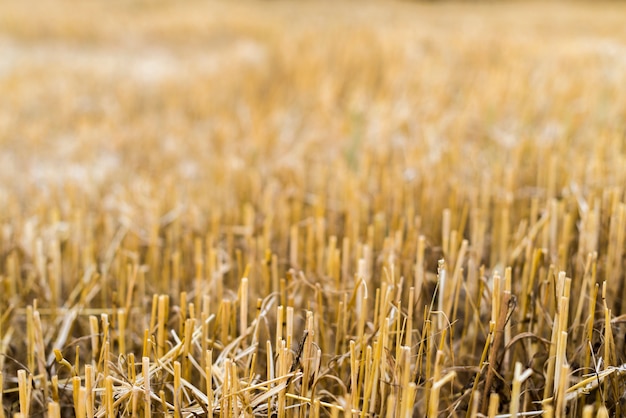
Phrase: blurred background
x=143 y=109
x=105 y=93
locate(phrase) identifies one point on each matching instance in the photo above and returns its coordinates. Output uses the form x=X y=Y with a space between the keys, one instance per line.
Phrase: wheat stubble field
x=340 y=209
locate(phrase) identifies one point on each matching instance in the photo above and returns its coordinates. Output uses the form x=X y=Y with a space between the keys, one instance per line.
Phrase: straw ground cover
x=316 y=209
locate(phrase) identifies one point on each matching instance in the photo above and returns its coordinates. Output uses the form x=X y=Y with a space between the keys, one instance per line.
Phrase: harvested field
x=312 y=209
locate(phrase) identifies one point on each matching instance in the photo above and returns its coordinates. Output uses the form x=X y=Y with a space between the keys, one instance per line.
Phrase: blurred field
x=319 y=208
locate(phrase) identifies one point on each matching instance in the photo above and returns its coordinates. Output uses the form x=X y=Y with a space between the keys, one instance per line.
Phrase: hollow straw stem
x=494 y=353
x=518 y=379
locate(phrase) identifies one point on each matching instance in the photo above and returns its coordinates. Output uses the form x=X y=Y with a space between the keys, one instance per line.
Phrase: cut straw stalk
x=433 y=402
x=25 y=389
x=145 y=370
x=518 y=379
x=496 y=346
x=54 y=410
x=177 y=390
x=162 y=315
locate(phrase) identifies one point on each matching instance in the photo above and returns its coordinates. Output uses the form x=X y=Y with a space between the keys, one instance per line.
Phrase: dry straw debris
x=286 y=209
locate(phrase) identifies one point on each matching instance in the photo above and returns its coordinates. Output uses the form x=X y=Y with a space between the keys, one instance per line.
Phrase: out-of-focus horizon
x=269 y=75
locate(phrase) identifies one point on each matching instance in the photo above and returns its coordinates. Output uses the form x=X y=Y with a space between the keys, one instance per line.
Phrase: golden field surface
x=312 y=209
